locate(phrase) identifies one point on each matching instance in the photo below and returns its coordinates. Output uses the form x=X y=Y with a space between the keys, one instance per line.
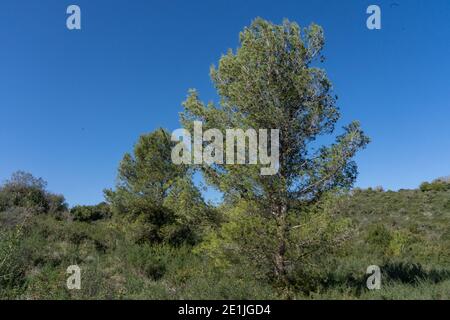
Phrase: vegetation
x=441 y=184
x=271 y=81
x=302 y=233
x=406 y=233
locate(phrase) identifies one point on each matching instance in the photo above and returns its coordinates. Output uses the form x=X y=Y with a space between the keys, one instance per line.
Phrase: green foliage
x=379 y=237
x=390 y=229
x=112 y=267
x=147 y=260
x=91 y=213
x=247 y=238
x=441 y=184
x=272 y=82
x=11 y=263
x=158 y=198
x=25 y=191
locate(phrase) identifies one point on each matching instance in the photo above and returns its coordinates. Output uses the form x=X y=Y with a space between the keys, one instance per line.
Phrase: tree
x=440 y=184
x=23 y=190
x=272 y=82
x=148 y=188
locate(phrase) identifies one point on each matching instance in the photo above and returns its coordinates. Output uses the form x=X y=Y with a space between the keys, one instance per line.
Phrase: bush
x=25 y=191
x=437 y=185
x=148 y=260
x=12 y=264
x=91 y=213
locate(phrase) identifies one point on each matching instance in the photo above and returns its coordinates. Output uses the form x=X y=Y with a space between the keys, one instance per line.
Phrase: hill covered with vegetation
x=406 y=233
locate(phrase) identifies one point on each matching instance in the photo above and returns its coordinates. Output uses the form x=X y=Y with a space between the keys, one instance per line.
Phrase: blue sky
x=73 y=102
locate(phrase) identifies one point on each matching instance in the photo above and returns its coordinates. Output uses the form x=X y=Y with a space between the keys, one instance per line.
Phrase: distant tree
x=440 y=184
x=24 y=190
x=272 y=82
x=91 y=213
x=425 y=186
x=158 y=196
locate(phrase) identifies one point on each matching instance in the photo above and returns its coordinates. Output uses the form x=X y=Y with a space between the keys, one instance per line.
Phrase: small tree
x=24 y=190
x=272 y=82
x=148 y=188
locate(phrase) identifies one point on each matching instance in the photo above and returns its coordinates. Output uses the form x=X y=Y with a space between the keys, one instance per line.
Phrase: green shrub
x=148 y=260
x=26 y=191
x=91 y=213
x=12 y=263
x=436 y=185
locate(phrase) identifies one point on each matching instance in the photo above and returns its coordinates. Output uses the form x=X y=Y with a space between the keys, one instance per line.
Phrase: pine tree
x=272 y=81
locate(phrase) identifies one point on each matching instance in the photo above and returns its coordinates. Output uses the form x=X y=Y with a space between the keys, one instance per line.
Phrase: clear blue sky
x=73 y=102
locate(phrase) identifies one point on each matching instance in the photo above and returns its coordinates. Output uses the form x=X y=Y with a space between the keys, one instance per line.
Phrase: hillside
x=406 y=233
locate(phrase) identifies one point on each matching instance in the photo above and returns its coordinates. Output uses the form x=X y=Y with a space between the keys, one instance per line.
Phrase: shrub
x=148 y=260
x=12 y=264
x=441 y=184
x=91 y=213
x=26 y=191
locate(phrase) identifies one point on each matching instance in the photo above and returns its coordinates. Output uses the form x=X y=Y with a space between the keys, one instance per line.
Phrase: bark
x=280 y=254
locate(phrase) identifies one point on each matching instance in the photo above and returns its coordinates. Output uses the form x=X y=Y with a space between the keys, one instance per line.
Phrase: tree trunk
x=280 y=253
